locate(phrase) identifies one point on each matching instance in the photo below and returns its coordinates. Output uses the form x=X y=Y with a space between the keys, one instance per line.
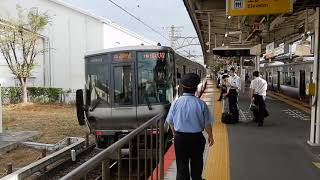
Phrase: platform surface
x=244 y=151
x=276 y=151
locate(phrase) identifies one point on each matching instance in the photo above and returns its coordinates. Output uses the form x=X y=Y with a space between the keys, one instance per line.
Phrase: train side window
x=122 y=85
x=270 y=77
x=286 y=79
x=293 y=79
x=184 y=69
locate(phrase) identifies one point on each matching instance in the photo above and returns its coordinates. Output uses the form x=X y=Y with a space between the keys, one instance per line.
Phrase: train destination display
x=123 y=56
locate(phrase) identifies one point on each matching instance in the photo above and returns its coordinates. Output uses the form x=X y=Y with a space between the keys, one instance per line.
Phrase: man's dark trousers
x=189 y=148
x=233 y=103
x=259 y=101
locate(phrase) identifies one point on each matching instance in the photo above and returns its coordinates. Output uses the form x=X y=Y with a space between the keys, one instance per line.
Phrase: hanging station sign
x=279 y=50
x=269 y=51
x=258 y=7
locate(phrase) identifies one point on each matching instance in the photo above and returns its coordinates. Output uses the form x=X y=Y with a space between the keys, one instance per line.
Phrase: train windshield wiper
x=95 y=104
x=98 y=100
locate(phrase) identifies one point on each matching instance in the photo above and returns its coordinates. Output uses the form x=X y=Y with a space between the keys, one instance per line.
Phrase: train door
x=302 y=83
x=123 y=109
x=278 y=81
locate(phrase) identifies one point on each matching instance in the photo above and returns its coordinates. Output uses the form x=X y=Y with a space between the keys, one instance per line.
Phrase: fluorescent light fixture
x=226 y=34
x=229 y=17
x=235 y=32
x=222 y=44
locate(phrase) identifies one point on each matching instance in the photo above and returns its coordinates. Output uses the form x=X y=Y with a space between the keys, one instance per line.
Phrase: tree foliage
x=19 y=43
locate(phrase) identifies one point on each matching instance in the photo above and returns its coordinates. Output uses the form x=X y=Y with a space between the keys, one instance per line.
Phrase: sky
x=159 y=14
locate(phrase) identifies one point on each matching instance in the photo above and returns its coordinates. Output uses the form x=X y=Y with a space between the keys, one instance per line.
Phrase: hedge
x=35 y=94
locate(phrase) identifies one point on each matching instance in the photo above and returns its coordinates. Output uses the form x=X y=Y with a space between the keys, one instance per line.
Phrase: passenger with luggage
x=188 y=117
x=233 y=89
x=258 y=93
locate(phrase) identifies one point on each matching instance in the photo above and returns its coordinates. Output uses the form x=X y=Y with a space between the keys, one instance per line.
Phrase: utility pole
x=173 y=35
x=178 y=42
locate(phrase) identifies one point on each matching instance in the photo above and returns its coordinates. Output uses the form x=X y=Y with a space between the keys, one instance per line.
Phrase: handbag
x=253 y=107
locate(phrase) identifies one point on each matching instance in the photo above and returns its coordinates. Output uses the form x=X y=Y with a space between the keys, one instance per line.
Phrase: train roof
x=127 y=48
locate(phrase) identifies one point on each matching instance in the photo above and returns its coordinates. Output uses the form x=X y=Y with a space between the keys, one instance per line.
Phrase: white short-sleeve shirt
x=234 y=82
x=259 y=86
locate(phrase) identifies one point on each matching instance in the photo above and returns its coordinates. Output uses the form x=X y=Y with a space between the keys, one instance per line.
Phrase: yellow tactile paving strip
x=217 y=165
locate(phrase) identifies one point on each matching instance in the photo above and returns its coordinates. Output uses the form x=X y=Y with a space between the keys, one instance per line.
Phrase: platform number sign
x=238 y=4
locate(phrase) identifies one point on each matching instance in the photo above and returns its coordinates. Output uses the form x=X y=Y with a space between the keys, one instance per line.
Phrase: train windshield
x=155 y=77
x=97 y=81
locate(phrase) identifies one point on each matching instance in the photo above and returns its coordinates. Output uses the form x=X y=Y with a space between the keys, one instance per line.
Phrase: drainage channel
x=41 y=168
x=72 y=163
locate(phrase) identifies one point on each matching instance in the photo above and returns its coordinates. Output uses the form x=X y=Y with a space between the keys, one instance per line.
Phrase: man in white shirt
x=233 y=88
x=258 y=93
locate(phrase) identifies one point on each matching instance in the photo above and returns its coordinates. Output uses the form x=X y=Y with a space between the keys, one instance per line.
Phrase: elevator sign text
x=258 y=7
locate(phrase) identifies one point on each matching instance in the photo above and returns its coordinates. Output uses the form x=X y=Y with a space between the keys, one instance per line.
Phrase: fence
x=154 y=129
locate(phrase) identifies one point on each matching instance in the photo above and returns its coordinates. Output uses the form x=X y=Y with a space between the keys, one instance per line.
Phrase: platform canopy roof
x=215 y=29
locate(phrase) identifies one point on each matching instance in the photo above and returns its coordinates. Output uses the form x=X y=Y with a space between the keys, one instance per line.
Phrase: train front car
x=124 y=88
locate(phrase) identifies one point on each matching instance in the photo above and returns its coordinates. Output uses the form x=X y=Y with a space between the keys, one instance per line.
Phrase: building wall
x=70 y=34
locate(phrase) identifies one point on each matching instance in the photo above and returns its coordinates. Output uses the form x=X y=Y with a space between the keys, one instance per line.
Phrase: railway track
x=69 y=165
x=66 y=167
x=291 y=101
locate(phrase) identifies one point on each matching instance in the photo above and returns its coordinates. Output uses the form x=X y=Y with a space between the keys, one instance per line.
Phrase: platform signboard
x=258 y=7
x=270 y=50
x=279 y=50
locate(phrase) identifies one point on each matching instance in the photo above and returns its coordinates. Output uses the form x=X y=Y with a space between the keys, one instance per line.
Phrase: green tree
x=20 y=44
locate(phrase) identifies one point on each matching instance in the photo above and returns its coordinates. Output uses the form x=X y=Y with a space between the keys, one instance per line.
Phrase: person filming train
x=258 y=92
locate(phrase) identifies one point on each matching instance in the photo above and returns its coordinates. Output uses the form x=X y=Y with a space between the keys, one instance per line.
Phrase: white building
x=71 y=33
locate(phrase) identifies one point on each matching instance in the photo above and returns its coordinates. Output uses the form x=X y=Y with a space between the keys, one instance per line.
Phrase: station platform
x=10 y=139
x=244 y=151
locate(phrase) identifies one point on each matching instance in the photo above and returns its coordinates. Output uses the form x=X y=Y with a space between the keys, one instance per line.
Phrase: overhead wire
x=138 y=19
